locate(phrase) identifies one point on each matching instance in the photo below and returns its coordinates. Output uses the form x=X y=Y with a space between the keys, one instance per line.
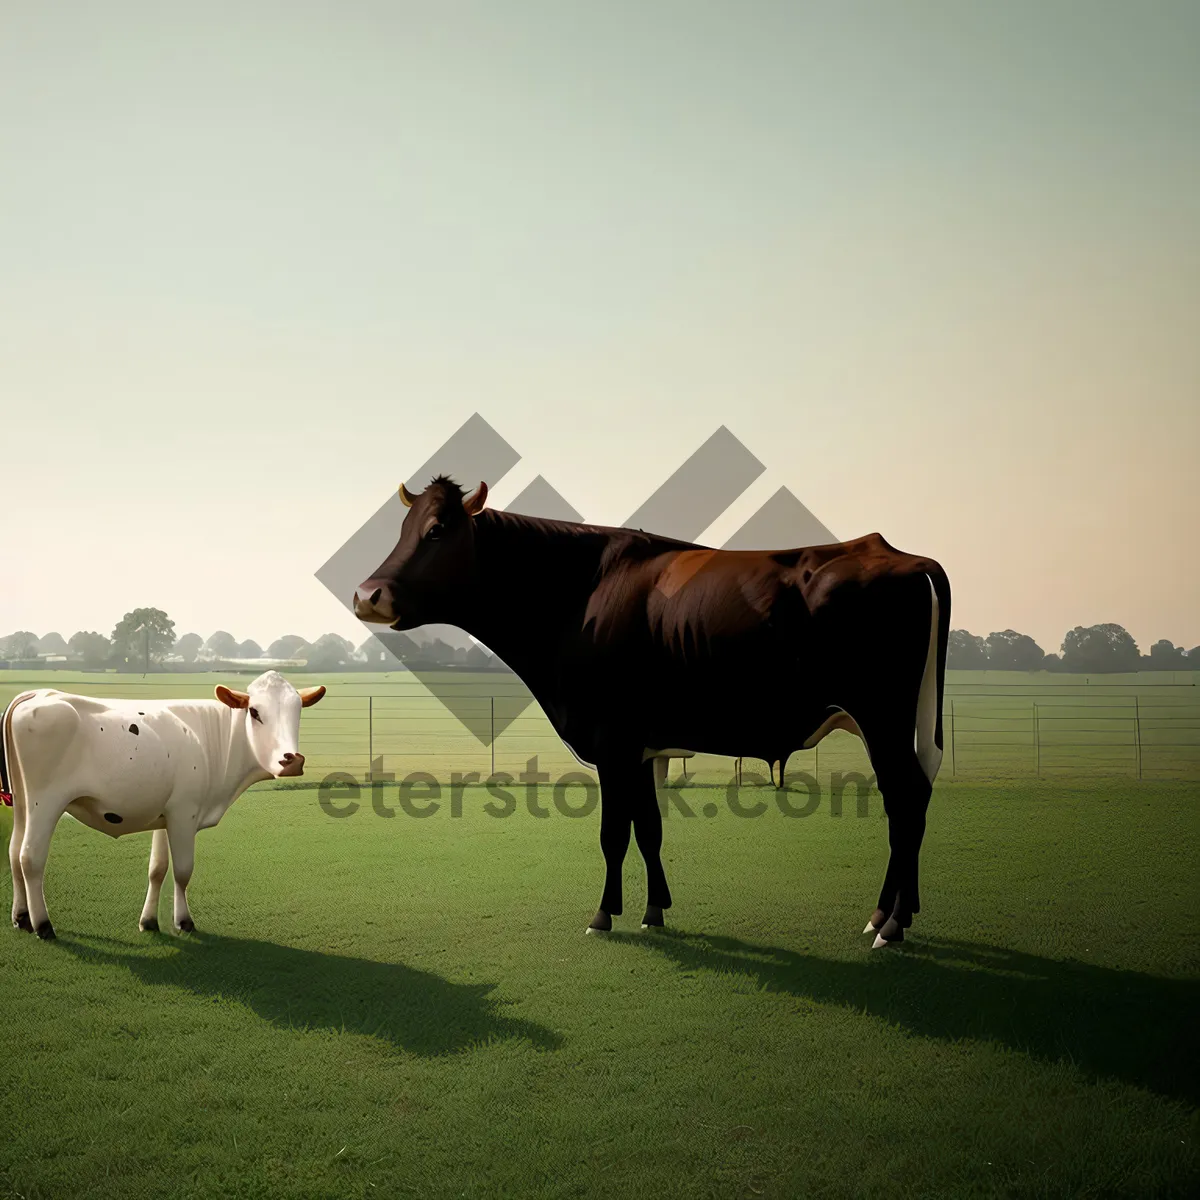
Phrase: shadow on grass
x=292 y=988
x=1122 y=1025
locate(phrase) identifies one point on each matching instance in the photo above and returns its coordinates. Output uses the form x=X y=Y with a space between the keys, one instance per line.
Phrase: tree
x=478 y=658
x=965 y=651
x=405 y=647
x=1166 y=656
x=21 y=644
x=188 y=645
x=398 y=645
x=52 y=643
x=1193 y=659
x=373 y=651
x=329 y=653
x=1052 y=662
x=436 y=653
x=1100 y=648
x=286 y=646
x=221 y=645
x=1012 y=651
x=249 y=649
x=130 y=641
x=93 y=648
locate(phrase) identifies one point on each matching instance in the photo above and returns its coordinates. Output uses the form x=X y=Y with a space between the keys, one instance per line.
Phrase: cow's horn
x=474 y=503
x=406 y=496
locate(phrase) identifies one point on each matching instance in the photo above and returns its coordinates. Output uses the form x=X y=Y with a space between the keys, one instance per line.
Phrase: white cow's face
x=272 y=715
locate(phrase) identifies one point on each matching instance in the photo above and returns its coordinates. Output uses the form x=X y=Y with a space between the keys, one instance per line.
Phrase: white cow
x=126 y=766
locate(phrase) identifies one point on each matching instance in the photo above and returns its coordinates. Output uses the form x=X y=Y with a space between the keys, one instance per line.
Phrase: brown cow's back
x=680 y=643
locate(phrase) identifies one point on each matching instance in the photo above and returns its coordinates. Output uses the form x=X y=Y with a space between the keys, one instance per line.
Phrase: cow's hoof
x=653 y=918
x=601 y=923
x=891 y=934
x=148 y=924
x=46 y=931
x=22 y=922
x=187 y=925
x=878 y=917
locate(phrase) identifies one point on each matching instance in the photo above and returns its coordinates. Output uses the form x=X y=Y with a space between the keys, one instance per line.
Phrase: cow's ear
x=474 y=503
x=311 y=695
x=232 y=698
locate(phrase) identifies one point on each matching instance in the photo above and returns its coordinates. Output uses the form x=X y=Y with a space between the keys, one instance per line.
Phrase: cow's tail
x=929 y=737
x=9 y=768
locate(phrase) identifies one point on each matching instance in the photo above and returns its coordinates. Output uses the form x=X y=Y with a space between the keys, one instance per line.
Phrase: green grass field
x=393 y=1007
x=410 y=1007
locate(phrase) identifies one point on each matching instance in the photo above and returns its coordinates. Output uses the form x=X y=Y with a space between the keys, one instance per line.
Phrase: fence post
x=370 y=735
x=492 y=737
x=953 y=760
x=1037 y=736
x=1137 y=726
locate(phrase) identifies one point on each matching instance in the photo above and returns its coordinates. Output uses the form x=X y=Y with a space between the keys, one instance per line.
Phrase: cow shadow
x=1122 y=1025
x=292 y=988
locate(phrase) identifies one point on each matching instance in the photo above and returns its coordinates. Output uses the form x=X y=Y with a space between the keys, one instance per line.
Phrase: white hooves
x=880 y=940
x=870 y=928
x=589 y=929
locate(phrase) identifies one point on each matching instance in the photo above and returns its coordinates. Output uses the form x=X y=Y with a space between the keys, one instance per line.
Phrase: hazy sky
x=937 y=265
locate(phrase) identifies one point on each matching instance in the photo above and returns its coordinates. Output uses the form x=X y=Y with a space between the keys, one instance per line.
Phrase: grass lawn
x=393 y=1007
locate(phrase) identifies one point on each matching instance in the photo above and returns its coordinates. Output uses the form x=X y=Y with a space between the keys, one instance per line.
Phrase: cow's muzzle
x=290 y=764
x=373 y=602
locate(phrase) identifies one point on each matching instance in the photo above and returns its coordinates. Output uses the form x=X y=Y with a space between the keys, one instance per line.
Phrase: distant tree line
x=146 y=636
x=1091 y=649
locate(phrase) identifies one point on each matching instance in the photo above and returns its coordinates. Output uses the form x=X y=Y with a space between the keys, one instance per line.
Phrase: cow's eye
x=254 y=715
x=435 y=531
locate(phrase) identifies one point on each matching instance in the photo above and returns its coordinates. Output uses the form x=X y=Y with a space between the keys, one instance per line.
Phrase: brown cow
x=633 y=642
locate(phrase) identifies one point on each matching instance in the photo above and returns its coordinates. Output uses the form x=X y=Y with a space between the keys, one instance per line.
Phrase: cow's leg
x=661 y=767
x=181 y=841
x=647 y=829
x=615 y=817
x=906 y=790
x=20 y=905
x=40 y=823
x=159 y=861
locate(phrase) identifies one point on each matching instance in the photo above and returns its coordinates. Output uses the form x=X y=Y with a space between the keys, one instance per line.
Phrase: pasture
x=390 y=1006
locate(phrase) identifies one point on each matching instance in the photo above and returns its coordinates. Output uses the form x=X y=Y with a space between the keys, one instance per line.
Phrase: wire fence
x=1047 y=735
x=385 y=726
x=988 y=733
